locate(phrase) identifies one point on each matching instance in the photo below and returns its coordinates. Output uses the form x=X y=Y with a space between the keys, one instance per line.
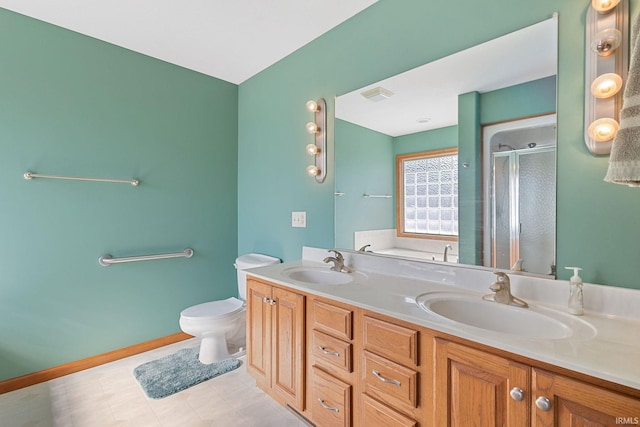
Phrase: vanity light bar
x=318 y=150
x=606 y=66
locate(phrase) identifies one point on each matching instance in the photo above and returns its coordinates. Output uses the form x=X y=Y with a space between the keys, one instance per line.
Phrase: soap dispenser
x=576 y=304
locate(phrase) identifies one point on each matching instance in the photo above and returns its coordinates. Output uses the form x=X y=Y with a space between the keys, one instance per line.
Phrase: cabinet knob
x=543 y=403
x=272 y=302
x=265 y=299
x=517 y=394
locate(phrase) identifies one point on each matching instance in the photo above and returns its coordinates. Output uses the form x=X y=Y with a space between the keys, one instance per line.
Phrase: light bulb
x=602 y=6
x=313 y=170
x=606 y=41
x=312 y=149
x=313 y=106
x=603 y=130
x=312 y=127
x=606 y=85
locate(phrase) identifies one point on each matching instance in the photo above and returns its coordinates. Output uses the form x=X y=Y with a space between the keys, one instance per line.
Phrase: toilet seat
x=213 y=309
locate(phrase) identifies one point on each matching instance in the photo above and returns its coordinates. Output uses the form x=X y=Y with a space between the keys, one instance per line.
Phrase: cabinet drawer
x=389 y=381
x=334 y=320
x=395 y=342
x=331 y=351
x=375 y=413
x=330 y=400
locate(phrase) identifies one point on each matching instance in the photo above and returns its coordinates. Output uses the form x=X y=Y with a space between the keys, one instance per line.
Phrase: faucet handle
x=502 y=279
x=338 y=255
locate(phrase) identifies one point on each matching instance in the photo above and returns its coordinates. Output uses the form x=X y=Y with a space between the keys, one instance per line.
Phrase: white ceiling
x=228 y=39
x=431 y=90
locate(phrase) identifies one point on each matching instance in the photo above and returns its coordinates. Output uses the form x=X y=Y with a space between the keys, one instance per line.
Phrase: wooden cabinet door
x=472 y=388
x=574 y=403
x=259 y=332
x=288 y=349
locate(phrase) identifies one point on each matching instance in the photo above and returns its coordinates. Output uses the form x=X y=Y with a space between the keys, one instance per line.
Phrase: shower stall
x=520 y=195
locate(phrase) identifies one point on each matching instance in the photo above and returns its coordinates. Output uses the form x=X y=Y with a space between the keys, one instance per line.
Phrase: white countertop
x=613 y=354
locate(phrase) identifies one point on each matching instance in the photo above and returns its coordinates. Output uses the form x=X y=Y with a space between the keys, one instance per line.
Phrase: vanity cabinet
x=390 y=373
x=362 y=368
x=330 y=358
x=276 y=341
x=560 y=401
x=474 y=385
x=495 y=391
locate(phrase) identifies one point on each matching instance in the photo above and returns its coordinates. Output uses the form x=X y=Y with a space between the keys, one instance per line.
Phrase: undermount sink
x=533 y=322
x=318 y=275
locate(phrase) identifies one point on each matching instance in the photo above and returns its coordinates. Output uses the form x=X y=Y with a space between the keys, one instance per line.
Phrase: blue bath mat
x=178 y=371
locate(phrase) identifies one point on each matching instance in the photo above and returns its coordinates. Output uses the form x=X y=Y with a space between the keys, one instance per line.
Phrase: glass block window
x=428 y=193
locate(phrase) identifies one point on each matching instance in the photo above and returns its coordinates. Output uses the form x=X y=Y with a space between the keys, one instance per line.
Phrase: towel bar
x=376 y=196
x=107 y=260
x=31 y=175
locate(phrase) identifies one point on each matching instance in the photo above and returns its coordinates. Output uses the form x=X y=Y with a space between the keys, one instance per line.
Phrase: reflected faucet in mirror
x=445 y=255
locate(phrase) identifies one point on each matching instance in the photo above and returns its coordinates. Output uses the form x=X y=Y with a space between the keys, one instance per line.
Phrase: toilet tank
x=244 y=262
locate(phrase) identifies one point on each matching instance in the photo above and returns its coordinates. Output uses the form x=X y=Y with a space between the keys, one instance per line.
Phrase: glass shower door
x=524 y=209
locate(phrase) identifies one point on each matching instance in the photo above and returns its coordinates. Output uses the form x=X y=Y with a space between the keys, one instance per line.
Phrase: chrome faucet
x=501 y=289
x=364 y=248
x=445 y=256
x=338 y=262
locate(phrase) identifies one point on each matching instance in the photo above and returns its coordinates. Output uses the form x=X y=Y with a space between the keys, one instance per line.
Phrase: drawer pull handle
x=328 y=352
x=386 y=380
x=327 y=407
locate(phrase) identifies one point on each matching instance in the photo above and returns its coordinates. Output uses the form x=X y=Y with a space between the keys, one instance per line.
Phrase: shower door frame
x=515 y=225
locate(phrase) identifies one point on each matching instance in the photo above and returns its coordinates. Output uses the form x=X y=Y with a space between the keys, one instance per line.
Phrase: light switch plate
x=299 y=219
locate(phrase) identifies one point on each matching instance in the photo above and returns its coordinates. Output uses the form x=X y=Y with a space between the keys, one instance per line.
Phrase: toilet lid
x=213 y=309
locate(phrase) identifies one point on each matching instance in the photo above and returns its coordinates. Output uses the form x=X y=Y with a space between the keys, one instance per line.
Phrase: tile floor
x=109 y=395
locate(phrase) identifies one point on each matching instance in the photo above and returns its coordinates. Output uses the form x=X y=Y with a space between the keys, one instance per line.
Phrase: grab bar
x=107 y=260
x=31 y=175
x=376 y=196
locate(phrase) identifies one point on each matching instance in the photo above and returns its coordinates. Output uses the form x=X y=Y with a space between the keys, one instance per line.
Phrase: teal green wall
x=593 y=216
x=469 y=179
x=524 y=100
x=437 y=139
x=364 y=164
x=71 y=105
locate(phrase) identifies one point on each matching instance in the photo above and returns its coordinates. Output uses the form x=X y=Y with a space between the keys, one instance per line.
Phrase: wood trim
x=400 y=194
x=90 y=362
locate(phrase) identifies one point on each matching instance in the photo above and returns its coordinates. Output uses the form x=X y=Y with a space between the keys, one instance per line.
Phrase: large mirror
x=454 y=161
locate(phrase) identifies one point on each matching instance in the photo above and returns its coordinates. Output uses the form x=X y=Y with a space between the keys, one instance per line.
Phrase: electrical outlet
x=299 y=219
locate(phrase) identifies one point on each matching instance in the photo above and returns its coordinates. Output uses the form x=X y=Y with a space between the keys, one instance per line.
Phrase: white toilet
x=221 y=324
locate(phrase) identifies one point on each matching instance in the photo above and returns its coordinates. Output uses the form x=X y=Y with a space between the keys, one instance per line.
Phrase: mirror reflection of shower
x=520 y=194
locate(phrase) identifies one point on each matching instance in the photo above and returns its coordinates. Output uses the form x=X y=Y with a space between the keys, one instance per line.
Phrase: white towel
x=624 y=162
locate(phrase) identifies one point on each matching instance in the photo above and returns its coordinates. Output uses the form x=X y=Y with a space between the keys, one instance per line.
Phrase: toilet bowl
x=220 y=325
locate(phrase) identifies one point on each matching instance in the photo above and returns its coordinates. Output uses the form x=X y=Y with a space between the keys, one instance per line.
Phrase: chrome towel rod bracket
x=31 y=175
x=107 y=260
